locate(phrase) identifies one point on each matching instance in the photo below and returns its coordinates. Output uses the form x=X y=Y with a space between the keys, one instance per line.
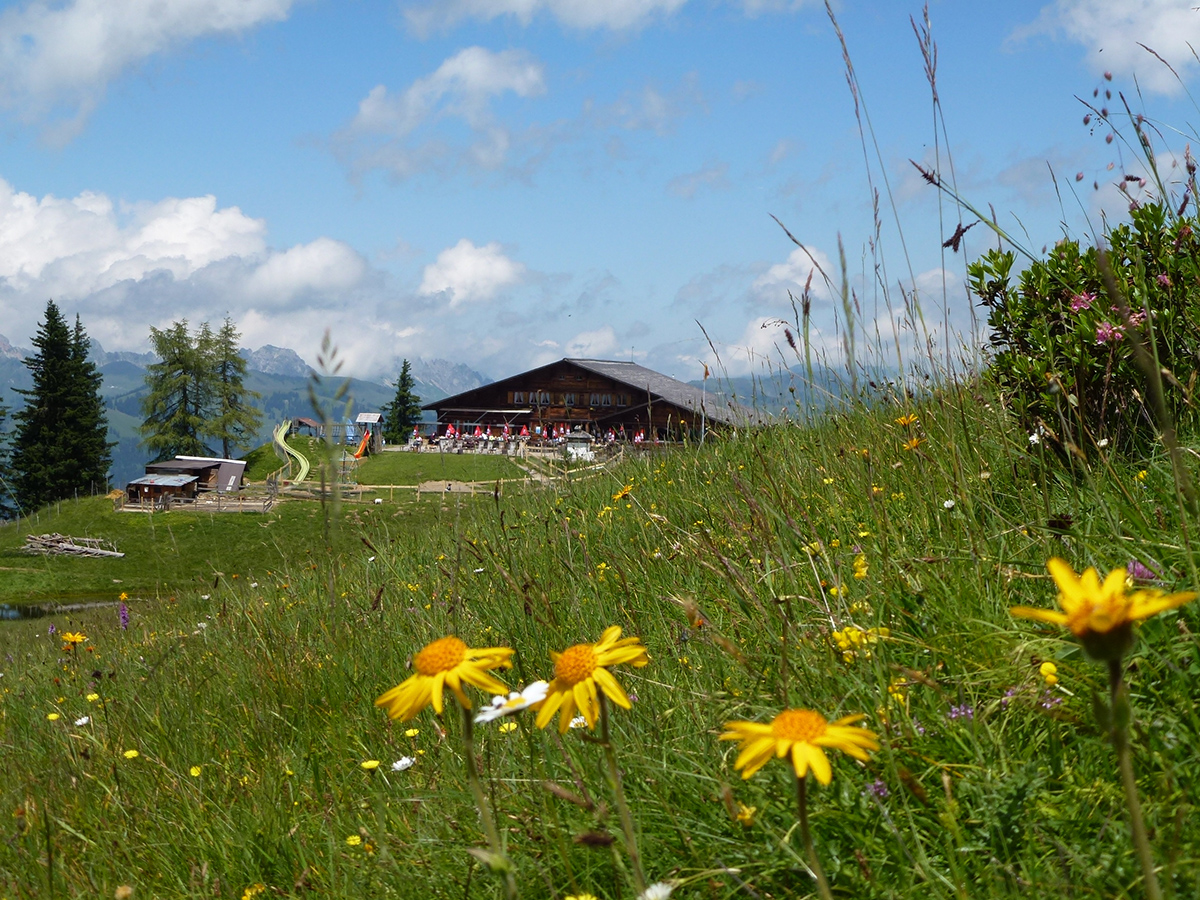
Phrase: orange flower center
x=440 y=656
x=575 y=664
x=798 y=725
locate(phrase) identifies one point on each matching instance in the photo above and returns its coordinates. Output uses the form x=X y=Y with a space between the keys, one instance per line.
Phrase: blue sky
x=505 y=182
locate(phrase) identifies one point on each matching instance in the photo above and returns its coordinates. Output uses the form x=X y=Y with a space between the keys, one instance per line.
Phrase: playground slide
x=362 y=446
x=285 y=452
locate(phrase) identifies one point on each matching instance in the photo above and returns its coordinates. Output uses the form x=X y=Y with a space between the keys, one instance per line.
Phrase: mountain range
x=278 y=375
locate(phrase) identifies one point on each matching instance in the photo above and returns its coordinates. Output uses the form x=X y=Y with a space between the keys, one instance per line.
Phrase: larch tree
x=234 y=420
x=404 y=411
x=60 y=443
x=179 y=392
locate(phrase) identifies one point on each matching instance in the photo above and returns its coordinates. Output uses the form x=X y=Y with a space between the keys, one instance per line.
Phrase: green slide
x=290 y=454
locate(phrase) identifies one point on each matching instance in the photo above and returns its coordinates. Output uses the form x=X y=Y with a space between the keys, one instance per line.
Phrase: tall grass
x=735 y=564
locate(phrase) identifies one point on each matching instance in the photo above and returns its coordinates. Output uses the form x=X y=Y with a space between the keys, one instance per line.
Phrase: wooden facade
x=589 y=395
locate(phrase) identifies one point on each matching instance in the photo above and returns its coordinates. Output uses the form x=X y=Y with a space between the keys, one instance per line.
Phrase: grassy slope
x=168 y=553
x=763 y=533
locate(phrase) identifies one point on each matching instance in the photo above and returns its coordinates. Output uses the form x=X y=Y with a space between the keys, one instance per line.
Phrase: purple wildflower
x=51 y=629
x=1164 y=279
x=1139 y=571
x=878 y=789
x=966 y=711
x=1008 y=695
x=123 y=612
x=917 y=726
x=1050 y=700
x=1107 y=333
x=1082 y=301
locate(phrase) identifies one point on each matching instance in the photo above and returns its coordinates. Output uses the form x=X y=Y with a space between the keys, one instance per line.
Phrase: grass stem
x=1119 y=695
x=614 y=776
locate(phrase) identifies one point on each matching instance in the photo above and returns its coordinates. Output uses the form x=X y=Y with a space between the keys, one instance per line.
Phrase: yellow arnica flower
x=447 y=662
x=1100 y=614
x=577 y=672
x=800 y=733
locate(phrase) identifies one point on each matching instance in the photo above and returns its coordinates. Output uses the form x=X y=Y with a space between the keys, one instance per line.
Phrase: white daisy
x=82 y=720
x=660 y=890
x=514 y=702
x=404 y=762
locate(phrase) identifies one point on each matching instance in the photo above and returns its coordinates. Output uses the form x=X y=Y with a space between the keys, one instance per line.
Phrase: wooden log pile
x=64 y=545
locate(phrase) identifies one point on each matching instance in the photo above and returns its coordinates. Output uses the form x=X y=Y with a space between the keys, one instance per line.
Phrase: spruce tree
x=180 y=389
x=404 y=411
x=89 y=434
x=60 y=445
x=234 y=421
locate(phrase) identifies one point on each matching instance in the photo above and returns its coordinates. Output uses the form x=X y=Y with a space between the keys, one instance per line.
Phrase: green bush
x=1065 y=357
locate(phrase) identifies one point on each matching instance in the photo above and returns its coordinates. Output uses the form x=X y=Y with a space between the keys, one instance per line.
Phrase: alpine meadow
x=929 y=632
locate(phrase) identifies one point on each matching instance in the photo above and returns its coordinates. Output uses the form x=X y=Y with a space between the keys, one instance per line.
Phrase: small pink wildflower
x=1082 y=301
x=1164 y=279
x=1107 y=333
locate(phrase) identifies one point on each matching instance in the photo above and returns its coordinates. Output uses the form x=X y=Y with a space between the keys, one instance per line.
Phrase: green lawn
x=403 y=467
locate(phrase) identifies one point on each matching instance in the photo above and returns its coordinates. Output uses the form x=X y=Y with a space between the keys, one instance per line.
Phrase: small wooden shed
x=149 y=488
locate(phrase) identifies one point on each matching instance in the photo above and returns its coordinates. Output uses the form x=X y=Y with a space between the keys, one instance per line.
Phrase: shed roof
x=180 y=464
x=165 y=480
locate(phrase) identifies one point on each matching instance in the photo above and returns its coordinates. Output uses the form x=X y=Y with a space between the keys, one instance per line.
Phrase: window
x=518 y=397
x=543 y=398
x=594 y=400
x=622 y=399
x=606 y=399
x=569 y=399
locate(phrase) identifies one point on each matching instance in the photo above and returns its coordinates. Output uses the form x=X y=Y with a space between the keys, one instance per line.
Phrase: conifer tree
x=60 y=444
x=404 y=411
x=234 y=420
x=180 y=388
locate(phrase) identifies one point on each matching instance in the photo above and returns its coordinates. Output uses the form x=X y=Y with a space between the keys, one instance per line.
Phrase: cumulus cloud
x=1116 y=27
x=465 y=273
x=396 y=132
x=616 y=15
x=124 y=268
x=57 y=58
x=793 y=274
x=593 y=344
x=323 y=266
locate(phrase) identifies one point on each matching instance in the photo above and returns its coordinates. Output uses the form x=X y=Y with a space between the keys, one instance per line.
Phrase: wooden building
x=212 y=473
x=593 y=395
x=152 y=488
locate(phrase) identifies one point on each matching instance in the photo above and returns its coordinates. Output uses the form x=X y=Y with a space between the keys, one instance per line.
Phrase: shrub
x=1065 y=359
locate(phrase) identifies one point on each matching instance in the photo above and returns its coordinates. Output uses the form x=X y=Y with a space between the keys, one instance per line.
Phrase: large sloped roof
x=639 y=379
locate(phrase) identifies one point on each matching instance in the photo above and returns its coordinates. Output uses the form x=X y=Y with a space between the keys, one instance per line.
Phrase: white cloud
x=593 y=344
x=77 y=247
x=651 y=109
x=386 y=132
x=322 y=266
x=793 y=274
x=466 y=273
x=126 y=268
x=714 y=176
x=58 y=57
x=1116 y=27
x=616 y=15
